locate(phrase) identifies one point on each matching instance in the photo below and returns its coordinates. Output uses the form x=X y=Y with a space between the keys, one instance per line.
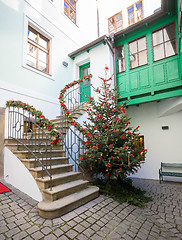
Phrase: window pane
x=32 y=35
x=139 y=14
x=118 y=17
x=158 y=52
x=42 y=66
x=42 y=56
x=133 y=47
x=31 y=61
x=66 y=8
x=72 y=15
x=157 y=37
x=139 y=5
x=31 y=50
x=170 y=48
x=142 y=44
x=169 y=32
x=142 y=58
x=43 y=42
x=133 y=60
x=72 y=2
x=131 y=17
x=131 y=10
x=121 y=59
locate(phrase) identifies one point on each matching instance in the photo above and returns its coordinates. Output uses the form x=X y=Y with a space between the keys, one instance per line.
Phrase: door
x=85 y=91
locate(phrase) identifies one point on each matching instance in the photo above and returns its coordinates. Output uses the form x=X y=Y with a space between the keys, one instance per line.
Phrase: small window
x=140 y=141
x=120 y=58
x=164 y=42
x=135 y=12
x=139 y=10
x=138 y=52
x=37 y=50
x=115 y=23
x=131 y=15
x=70 y=9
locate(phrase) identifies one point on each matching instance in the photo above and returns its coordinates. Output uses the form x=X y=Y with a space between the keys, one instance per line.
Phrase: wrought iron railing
x=27 y=132
x=75 y=100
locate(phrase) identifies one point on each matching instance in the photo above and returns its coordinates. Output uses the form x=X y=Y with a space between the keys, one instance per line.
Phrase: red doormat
x=3 y=188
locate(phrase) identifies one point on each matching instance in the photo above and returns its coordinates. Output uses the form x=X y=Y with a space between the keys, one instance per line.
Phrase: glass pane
x=131 y=9
x=169 y=32
x=142 y=58
x=31 y=50
x=72 y=15
x=32 y=35
x=31 y=61
x=157 y=37
x=139 y=5
x=133 y=60
x=121 y=59
x=139 y=14
x=42 y=56
x=133 y=47
x=72 y=2
x=66 y=8
x=85 y=71
x=42 y=66
x=170 y=48
x=118 y=17
x=158 y=52
x=131 y=16
x=142 y=44
x=43 y=43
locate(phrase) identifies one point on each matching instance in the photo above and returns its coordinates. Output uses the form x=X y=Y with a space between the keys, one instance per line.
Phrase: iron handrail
x=20 y=126
x=73 y=138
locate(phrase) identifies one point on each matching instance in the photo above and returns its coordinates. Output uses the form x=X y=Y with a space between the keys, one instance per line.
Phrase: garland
x=40 y=119
x=63 y=104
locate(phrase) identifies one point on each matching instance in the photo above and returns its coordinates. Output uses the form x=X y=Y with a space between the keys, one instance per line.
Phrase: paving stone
x=12 y=232
x=58 y=232
x=88 y=232
x=79 y=228
x=71 y=234
x=46 y=230
x=53 y=237
x=32 y=229
x=20 y=235
x=37 y=235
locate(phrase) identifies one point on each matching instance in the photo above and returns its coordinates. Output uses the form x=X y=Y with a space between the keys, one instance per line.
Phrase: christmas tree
x=111 y=147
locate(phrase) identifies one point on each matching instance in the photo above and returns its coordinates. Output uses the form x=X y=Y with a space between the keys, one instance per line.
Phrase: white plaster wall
x=99 y=57
x=162 y=145
x=16 y=174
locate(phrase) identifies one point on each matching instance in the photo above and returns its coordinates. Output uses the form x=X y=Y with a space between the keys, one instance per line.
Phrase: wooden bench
x=170 y=170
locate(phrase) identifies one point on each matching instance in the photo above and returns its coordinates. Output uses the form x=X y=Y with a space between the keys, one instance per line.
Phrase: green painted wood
x=156 y=80
x=85 y=90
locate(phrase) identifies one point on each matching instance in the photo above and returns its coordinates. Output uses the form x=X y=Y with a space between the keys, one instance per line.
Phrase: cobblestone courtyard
x=102 y=218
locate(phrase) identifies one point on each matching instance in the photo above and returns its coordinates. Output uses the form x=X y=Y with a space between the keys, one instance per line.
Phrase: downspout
x=110 y=42
x=98 y=27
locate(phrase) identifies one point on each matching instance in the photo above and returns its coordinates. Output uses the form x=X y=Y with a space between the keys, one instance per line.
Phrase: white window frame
x=30 y=22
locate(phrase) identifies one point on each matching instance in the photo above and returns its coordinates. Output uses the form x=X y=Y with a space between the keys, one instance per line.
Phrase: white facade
x=18 y=81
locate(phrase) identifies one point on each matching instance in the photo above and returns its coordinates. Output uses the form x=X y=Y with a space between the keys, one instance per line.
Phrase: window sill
x=49 y=76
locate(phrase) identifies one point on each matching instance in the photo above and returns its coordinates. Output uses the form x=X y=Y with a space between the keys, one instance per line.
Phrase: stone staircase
x=69 y=190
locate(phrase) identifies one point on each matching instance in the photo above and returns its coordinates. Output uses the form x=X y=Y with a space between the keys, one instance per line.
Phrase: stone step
x=50 y=210
x=54 y=169
x=31 y=163
x=33 y=146
x=57 y=179
x=64 y=190
x=26 y=154
x=25 y=141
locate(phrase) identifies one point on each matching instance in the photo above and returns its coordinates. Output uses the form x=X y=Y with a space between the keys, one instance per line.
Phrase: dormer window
x=70 y=9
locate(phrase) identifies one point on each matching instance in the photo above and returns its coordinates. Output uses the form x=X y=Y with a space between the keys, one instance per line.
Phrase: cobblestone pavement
x=102 y=218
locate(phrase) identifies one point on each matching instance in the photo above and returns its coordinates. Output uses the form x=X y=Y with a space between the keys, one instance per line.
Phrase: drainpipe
x=98 y=30
x=110 y=42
